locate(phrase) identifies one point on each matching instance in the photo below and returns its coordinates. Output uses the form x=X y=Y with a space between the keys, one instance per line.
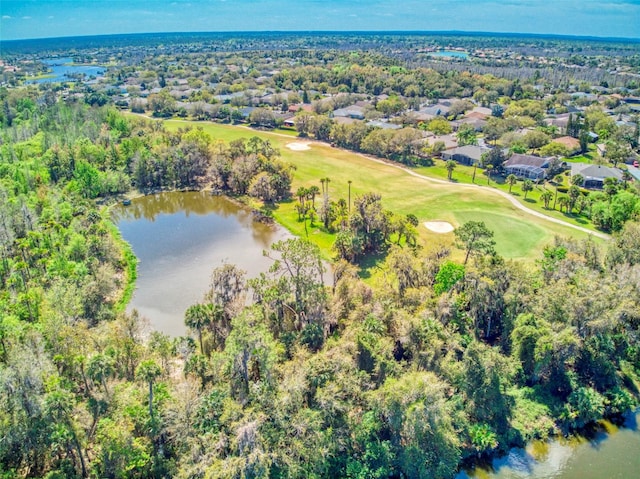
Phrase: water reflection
x=179 y=238
x=607 y=452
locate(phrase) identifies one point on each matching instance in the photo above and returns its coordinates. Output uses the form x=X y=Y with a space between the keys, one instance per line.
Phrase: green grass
x=464 y=174
x=130 y=263
x=518 y=234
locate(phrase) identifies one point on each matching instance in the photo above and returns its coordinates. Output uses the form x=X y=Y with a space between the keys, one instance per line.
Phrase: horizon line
x=337 y=32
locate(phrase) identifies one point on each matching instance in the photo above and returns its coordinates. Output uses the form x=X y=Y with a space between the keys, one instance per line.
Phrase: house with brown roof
x=572 y=144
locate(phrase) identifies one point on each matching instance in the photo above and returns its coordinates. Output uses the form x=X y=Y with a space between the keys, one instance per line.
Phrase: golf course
x=519 y=233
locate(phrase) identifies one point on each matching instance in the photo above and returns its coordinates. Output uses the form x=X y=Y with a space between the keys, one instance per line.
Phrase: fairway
x=518 y=234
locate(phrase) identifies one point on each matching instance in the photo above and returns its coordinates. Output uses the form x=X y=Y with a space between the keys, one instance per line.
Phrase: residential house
x=353 y=111
x=594 y=175
x=527 y=166
x=450 y=141
x=480 y=112
x=435 y=110
x=560 y=122
x=478 y=124
x=467 y=155
x=571 y=143
x=634 y=171
x=385 y=125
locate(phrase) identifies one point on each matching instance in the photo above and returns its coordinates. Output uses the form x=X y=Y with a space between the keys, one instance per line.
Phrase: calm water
x=62 y=70
x=179 y=239
x=613 y=453
x=450 y=54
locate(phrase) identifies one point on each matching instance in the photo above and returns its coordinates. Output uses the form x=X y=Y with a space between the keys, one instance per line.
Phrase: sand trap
x=295 y=146
x=438 y=226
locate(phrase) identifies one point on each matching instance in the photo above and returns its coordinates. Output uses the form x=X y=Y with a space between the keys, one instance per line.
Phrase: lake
x=179 y=238
x=450 y=54
x=609 y=453
x=63 y=69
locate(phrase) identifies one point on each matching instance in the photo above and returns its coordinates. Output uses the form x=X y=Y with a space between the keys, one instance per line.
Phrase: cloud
x=6 y=17
x=26 y=17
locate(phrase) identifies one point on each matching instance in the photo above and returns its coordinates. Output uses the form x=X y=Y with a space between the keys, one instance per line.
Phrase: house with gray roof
x=594 y=175
x=467 y=155
x=353 y=111
x=385 y=125
x=527 y=166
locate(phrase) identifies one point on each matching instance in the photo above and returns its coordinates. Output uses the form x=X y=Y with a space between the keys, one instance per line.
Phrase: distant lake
x=63 y=69
x=179 y=238
x=450 y=54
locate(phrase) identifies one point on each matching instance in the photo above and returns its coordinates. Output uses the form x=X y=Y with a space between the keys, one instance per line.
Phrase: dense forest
x=282 y=375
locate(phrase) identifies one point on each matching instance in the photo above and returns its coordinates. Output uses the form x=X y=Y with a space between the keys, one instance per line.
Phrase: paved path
x=507 y=196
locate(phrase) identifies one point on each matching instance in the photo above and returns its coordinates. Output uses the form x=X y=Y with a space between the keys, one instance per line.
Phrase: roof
x=518 y=159
x=352 y=111
x=589 y=171
x=345 y=120
x=480 y=112
x=433 y=110
x=561 y=122
x=384 y=125
x=450 y=141
x=635 y=172
x=568 y=141
x=470 y=151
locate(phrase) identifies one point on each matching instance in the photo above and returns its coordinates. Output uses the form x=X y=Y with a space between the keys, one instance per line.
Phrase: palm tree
x=527 y=186
x=610 y=187
x=547 y=196
x=512 y=180
x=558 y=181
x=577 y=180
x=349 y=194
x=564 y=202
x=489 y=169
x=312 y=192
x=99 y=369
x=198 y=317
x=302 y=193
x=450 y=165
x=148 y=371
x=574 y=193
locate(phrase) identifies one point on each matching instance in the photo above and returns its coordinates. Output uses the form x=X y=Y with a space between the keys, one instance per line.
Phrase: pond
x=610 y=452
x=63 y=69
x=450 y=54
x=179 y=238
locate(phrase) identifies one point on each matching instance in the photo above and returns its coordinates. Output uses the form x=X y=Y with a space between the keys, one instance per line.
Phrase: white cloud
x=26 y=18
x=6 y=17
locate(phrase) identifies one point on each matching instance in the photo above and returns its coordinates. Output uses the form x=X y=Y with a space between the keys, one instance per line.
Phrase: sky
x=22 y=19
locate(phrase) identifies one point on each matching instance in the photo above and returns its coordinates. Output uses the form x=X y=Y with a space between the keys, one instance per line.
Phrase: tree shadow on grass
x=370 y=262
x=530 y=200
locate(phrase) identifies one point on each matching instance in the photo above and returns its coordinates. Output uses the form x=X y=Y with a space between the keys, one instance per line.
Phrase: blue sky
x=54 y=18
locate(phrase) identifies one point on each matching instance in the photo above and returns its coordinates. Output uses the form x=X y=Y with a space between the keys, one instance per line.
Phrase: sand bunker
x=439 y=226
x=298 y=146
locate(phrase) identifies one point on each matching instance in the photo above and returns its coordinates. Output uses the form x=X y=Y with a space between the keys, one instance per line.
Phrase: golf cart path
x=507 y=196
